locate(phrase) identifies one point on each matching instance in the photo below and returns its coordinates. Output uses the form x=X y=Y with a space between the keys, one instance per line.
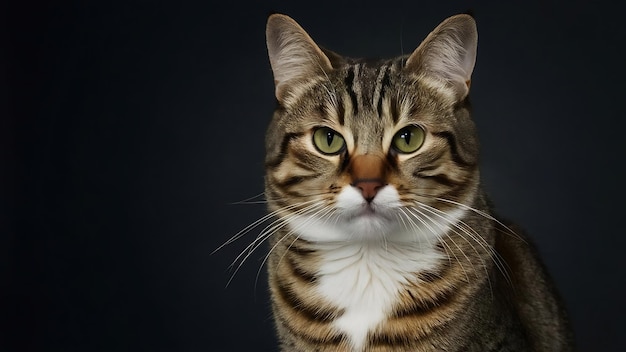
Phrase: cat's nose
x=368 y=187
x=368 y=174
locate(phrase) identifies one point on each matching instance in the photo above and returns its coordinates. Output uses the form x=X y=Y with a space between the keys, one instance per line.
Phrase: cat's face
x=381 y=150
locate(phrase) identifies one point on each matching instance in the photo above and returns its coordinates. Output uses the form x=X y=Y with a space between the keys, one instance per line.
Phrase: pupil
x=407 y=137
x=329 y=138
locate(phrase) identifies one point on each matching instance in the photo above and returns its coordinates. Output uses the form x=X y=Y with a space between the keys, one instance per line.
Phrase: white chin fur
x=353 y=219
x=384 y=218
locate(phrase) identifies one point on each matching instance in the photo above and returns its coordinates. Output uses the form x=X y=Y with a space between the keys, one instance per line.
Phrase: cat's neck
x=364 y=279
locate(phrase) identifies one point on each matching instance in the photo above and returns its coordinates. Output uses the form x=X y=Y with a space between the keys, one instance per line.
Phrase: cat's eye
x=409 y=139
x=328 y=141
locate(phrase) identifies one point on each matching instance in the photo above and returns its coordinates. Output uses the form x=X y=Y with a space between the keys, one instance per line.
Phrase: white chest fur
x=364 y=280
x=368 y=252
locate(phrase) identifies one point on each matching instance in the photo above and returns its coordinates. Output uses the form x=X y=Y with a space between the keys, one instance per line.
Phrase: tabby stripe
x=349 y=81
x=305 y=161
x=454 y=147
x=431 y=160
x=428 y=167
x=432 y=276
x=301 y=273
x=384 y=83
x=394 y=110
x=293 y=192
x=428 y=277
x=421 y=307
x=341 y=110
x=303 y=165
x=284 y=144
x=294 y=180
x=310 y=313
x=393 y=341
x=279 y=201
x=406 y=336
x=439 y=178
x=330 y=339
x=299 y=247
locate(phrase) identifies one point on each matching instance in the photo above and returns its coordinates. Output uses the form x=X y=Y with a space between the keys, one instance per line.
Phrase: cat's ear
x=294 y=56
x=448 y=53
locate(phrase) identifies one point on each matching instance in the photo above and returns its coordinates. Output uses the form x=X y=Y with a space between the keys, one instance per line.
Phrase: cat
x=382 y=237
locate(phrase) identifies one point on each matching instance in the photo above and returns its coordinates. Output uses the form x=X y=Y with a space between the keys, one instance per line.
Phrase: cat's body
x=384 y=240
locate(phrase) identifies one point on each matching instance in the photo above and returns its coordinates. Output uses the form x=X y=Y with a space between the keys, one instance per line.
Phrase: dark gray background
x=133 y=127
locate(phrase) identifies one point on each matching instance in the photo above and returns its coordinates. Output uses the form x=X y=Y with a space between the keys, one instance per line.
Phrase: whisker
x=248 y=203
x=446 y=248
x=247 y=200
x=453 y=242
x=483 y=214
x=454 y=227
x=269 y=230
x=419 y=216
x=256 y=223
x=247 y=229
x=414 y=226
x=401 y=219
x=325 y=210
x=316 y=193
x=266 y=233
x=476 y=237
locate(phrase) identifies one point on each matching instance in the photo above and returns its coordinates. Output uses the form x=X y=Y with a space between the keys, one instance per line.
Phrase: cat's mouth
x=367 y=222
x=364 y=218
x=369 y=213
x=368 y=210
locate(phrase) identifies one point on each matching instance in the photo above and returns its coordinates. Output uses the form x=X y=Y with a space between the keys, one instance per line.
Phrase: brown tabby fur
x=492 y=294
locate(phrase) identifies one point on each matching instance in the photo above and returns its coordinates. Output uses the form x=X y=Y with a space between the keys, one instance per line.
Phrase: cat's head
x=370 y=150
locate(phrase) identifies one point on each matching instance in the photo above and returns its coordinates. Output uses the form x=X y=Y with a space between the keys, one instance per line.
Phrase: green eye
x=408 y=139
x=328 y=141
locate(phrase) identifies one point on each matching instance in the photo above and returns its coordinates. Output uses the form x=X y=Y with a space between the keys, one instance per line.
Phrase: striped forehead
x=365 y=87
x=364 y=94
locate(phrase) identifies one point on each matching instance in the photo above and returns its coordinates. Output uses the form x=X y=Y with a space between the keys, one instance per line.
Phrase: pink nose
x=369 y=187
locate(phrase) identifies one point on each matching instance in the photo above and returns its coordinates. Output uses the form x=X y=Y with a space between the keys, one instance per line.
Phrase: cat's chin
x=366 y=226
x=362 y=220
x=355 y=219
